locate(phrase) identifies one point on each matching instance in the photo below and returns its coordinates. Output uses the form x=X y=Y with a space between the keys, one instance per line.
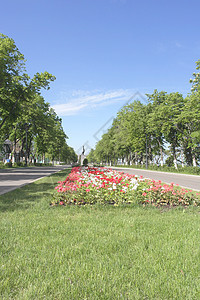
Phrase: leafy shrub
x=19 y=164
x=43 y=165
x=2 y=165
x=85 y=162
x=8 y=164
x=170 y=161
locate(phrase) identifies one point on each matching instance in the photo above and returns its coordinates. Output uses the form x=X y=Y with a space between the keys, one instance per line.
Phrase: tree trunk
x=29 y=148
x=174 y=156
x=161 y=153
x=188 y=154
x=150 y=151
x=14 y=150
x=194 y=162
x=136 y=158
x=182 y=163
x=161 y=157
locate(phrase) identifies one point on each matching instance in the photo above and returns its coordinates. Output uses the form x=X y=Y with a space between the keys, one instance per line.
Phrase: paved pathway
x=11 y=179
x=184 y=180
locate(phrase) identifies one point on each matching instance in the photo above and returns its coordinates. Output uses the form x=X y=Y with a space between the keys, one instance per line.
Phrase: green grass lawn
x=95 y=252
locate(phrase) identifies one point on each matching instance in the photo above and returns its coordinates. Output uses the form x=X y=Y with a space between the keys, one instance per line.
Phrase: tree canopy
x=25 y=118
x=168 y=126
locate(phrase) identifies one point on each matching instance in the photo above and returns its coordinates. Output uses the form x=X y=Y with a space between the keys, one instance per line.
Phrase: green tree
x=91 y=156
x=156 y=119
x=170 y=110
x=16 y=87
x=132 y=130
x=51 y=137
x=196 y=79
x=189 y=127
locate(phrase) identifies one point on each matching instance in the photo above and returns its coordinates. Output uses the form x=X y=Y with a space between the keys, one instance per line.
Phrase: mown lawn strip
x=95 y=252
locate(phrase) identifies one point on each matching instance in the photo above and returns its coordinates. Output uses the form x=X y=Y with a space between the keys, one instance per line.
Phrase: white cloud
x=85 y=100
x=178 y=45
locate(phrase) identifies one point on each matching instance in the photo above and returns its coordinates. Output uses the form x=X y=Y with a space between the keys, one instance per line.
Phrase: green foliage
x=169 y=161
x=25 y=117
x=8 y=164
x=19 y=164
x=85 y=162
x=5 y=165
x=91 y=156
x=196 y=79
x=16 y=87
x=43 y=164
x=141 y=132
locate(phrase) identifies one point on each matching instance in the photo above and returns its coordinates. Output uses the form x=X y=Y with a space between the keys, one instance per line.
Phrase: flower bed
x=159 y=194
x=86 y=185
x=91 y=185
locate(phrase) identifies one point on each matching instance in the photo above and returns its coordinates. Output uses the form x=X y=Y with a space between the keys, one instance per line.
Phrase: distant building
x=10 y=151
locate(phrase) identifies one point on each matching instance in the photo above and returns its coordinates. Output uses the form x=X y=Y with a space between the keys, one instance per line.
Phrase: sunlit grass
x=95 y=252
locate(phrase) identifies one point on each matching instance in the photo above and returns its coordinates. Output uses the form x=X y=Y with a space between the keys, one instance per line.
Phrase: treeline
x=25 y=118
x=165 y=130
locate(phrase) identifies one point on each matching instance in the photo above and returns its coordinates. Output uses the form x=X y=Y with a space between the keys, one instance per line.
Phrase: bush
x=1 y=165
x=19 y=164
x=170 y=161
x=8 y=164
x=85 y=162
x=43 y=165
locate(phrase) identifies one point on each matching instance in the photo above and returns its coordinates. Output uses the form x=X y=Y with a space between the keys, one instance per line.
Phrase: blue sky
x=103 y=52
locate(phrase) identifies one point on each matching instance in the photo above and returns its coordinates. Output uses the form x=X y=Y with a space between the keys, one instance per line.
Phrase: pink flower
x=87 y=190
x=144 y=194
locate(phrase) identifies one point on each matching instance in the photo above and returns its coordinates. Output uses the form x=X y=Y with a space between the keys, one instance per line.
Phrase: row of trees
x=167 y=129
x=25 y=118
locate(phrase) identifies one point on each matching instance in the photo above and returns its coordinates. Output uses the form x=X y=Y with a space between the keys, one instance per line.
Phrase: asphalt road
x=10 y=179
x=186 y=181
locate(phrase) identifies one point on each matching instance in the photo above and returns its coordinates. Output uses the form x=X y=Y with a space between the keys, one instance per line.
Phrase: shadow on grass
x=28 y=195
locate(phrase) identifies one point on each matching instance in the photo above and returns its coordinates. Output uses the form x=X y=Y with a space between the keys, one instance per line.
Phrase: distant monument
x=83 y=150
x=82 y=156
